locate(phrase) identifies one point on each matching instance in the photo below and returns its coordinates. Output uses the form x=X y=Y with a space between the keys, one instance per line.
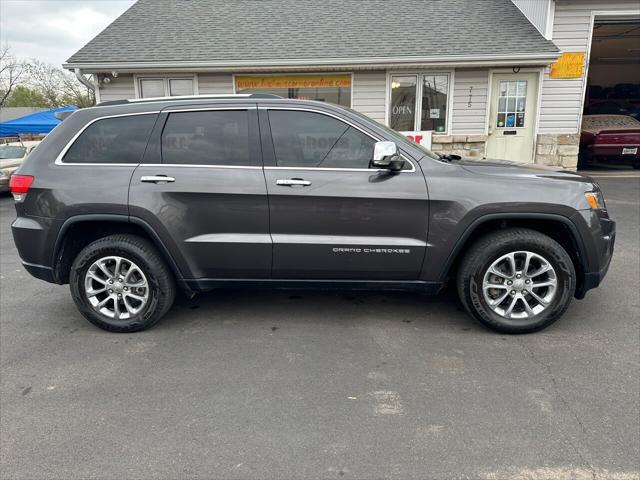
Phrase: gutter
x=305 y=64
x=81 y=78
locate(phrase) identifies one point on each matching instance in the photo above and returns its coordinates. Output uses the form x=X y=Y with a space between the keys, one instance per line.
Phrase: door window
x=112 y=140
x=314 y=140
x=512 y=101
x=219 y=137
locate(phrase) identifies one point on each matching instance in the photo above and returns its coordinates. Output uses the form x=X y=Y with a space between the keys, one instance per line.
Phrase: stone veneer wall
x=551 y=149
x=463 y=145
x=558 y=150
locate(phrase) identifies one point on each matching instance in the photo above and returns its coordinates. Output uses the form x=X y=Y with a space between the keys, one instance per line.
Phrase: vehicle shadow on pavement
x=270 y=307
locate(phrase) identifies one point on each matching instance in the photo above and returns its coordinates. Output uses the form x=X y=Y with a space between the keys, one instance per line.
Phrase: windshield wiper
x=450 y=157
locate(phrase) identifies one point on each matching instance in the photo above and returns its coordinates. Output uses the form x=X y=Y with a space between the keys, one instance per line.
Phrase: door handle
x=156 y=179
x=293 y=182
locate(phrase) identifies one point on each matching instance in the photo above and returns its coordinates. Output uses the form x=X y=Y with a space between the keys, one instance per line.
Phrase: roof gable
x=232 y=31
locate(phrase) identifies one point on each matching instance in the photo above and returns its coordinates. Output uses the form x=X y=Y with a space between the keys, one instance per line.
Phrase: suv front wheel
x=516 y=280
x=120 y=283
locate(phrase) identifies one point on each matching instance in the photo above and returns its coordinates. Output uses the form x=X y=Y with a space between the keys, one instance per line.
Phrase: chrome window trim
x=322 y=112
x=61 y=155
x=195 y=108
x=196 y=165
x=59 y=161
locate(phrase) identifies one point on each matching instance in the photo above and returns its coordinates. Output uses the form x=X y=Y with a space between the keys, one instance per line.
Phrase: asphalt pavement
x=245 y=384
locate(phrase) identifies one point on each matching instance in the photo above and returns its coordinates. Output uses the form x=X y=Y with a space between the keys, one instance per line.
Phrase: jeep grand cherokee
x=131 y=200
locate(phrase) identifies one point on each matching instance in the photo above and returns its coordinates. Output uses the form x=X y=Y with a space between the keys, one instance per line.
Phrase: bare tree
x=58 y=86
x=11 y=70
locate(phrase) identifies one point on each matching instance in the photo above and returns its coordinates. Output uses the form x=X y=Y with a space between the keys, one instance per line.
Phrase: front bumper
x=599 y=246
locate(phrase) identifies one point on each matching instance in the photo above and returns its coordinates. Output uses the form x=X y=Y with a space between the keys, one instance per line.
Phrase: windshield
x=12 y=151
x=395 y=134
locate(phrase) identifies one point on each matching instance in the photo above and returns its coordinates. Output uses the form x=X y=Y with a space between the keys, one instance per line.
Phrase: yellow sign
x=569 y=65
x=291 y=81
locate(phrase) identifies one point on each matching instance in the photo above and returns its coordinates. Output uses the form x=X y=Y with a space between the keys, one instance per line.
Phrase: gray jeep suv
x=131 y=200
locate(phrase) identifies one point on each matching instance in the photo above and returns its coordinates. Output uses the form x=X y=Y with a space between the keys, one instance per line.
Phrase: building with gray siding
x=482 y=78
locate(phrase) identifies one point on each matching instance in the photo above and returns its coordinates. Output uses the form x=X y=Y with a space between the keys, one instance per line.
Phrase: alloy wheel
x=116 y=287
x=519 y=285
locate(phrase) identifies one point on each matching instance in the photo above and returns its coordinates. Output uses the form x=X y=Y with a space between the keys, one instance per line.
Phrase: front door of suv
x=202 y=189
x=333 y=217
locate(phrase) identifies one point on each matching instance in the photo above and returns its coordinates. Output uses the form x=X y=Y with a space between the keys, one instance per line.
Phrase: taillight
x=19 y=185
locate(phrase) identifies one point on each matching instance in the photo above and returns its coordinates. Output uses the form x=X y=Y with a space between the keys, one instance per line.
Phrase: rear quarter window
x=112 y=140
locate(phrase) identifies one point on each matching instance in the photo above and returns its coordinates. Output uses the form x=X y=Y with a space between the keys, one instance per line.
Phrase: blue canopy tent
x=40 y=122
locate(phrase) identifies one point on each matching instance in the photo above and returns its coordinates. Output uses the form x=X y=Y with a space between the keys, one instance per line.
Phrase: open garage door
x=610 y=136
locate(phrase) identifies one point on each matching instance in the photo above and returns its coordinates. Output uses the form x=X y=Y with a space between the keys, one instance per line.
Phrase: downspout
x=82 y=79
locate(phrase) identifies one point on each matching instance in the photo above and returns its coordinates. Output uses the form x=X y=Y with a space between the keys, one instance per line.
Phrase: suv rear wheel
x=120 y=283
x=516 y=281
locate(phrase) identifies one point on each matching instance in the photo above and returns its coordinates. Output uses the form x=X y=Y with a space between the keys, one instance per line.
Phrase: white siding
x=469 y=117
x=215 y=83
x=119 y=88
x=369 y=94
x=561 y=102
x=536 y=11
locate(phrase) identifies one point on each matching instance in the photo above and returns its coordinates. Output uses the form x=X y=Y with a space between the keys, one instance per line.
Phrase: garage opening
x=610 y=134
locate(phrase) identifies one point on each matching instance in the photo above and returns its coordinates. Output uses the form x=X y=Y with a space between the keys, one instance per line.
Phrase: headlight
x=595 y=200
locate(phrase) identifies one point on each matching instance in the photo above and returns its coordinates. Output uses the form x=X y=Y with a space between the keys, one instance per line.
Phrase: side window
x=112 y=140
x=216 y=137
x=314 y=140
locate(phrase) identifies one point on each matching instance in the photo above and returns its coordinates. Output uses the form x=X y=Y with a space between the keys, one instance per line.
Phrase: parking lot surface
x=245 y=384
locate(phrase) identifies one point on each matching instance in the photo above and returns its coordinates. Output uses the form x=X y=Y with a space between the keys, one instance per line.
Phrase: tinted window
x=207 y=138
x=112 y=140
x=305 y=139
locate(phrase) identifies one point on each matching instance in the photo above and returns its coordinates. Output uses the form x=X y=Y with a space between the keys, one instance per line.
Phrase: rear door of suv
x=201 y=188
x=332 y=216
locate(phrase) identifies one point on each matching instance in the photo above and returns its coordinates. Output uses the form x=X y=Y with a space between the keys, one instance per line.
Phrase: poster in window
x=511 y=120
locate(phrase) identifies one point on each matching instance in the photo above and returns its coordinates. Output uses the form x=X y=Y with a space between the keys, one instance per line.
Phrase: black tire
x=144 y=255
x=491 y=247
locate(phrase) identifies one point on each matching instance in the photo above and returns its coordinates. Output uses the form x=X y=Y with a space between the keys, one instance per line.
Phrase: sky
x=53 y=30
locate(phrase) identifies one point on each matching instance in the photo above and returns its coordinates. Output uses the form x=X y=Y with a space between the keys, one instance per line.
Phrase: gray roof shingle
x=270 y=30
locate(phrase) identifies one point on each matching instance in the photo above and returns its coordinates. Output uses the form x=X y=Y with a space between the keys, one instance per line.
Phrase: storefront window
x=434 y=103
x=403 y=103
x=419 y=102
x=325 y=88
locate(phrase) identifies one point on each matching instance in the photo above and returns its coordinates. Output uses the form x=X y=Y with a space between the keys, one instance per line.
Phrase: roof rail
x=188 y=97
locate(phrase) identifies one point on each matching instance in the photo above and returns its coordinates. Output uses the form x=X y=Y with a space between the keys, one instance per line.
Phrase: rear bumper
x=40 y=271
x=34 y=237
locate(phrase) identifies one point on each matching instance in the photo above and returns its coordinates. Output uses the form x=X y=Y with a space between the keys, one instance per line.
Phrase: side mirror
x=385 y=155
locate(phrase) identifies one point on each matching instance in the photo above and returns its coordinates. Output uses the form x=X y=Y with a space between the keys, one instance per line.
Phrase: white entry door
x=512 y=117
